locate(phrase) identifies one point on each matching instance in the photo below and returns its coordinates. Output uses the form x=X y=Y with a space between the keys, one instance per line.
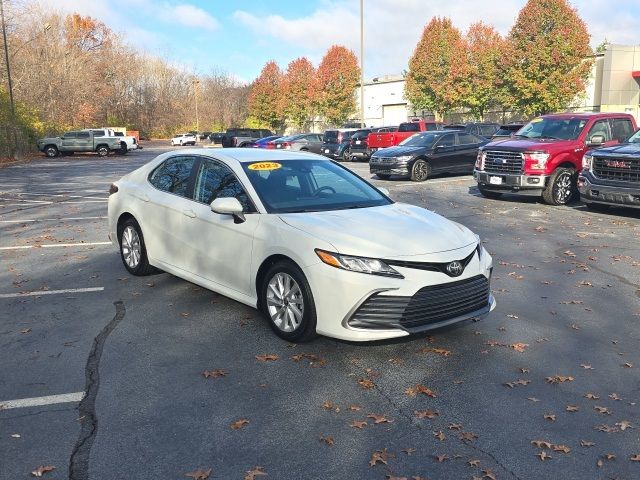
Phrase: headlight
x=587 y=161
x=404 y=158
x=372 y=266
x=480 y=160
x=537 y=160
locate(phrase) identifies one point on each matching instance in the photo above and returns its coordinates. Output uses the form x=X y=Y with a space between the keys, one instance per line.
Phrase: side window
x=215 y=180
x=98 y=133
x=448 y=140
x=601 y=127
x=488 y=130
x=621 y=129
x=409 y=127
x=467 y=139
x=84 y=135
x=69 y=135
x=173 y=175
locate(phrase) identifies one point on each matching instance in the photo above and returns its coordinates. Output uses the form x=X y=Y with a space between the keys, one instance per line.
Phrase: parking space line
x=37 y=293
x=40 y=401
x=52 y=219
x=24 y=200
x=54 y=245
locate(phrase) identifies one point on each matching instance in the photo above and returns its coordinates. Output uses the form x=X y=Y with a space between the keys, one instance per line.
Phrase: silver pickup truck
x=78 y=141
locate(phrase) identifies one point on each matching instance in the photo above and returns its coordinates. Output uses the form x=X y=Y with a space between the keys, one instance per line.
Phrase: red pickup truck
x=376 y=141
x=544 y=157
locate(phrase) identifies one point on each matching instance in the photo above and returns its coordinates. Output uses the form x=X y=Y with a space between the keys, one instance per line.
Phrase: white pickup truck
x=127 y=142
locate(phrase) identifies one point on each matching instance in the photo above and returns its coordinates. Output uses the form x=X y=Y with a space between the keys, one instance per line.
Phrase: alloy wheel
x=420 y=171
x=285 y=303
x=563 y=188
x=131 y=248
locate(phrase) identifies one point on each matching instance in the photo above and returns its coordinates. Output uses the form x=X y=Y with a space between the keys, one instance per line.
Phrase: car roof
x=585 y=115
x=250 y=155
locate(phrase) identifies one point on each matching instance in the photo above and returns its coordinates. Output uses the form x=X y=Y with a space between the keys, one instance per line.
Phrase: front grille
x=429 y=305
x=499 y=161
x=433 y=266
x=385 y=160
x=622 y=169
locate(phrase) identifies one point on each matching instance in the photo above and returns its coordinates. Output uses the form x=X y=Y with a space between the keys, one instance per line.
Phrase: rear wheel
x=420 y=171
x=287 y=302
x=488 y=193
x=51 y=151
x=133 y=250
x=345 y=155
x=561 y=188
x=102 y=150
x=123 y=148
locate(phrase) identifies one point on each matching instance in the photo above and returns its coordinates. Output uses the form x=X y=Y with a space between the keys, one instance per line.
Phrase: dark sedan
x=428 y=153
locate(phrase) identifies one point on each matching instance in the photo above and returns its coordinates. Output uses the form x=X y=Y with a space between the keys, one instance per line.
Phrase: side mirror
x=228 y=206
x=596 y=141
x=384 y=191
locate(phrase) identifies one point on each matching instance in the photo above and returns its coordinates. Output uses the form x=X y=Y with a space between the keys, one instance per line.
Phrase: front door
x=445 y=156
x=467 y=149
x=217 y=248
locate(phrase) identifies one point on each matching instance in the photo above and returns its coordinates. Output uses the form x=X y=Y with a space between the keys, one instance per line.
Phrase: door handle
x=189 y=213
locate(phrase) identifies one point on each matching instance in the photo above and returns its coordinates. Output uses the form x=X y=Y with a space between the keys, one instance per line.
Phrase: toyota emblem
x=455 y=268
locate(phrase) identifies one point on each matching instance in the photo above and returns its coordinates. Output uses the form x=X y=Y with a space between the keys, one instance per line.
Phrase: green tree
x=546 y=64
x=336 y=81
x=485 y=48
x=265 y=98
x=438 y=69
x=299 y=94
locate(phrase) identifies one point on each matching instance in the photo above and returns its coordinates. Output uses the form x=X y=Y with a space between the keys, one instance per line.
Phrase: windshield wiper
x=550 y=136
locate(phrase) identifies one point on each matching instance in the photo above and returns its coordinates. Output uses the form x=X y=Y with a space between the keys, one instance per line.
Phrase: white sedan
x=301 y=238
x=183 y=139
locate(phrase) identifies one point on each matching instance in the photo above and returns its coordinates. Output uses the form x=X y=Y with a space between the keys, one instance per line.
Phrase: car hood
x=623 y=149
x=399 y=151
x=390 y=231
x=521 y=144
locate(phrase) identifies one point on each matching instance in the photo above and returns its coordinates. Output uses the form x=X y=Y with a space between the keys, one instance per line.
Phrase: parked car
x=611 y=175
x=266 y=142
x=380 y=140
x=127 y=142
x=507 y=131
x=78 y=141
x=545 y=156
x=482 y=129
x=424 y=154
x=183 y=139
x=216 y=138
x=304 y=142
x=358 y=144
x=203 y=135
x=309 y=243
x=237 y=137
x=335 y=143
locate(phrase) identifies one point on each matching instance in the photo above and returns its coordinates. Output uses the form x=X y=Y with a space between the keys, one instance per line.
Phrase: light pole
x=362 y=63
x=195 y=94
x=6 y=58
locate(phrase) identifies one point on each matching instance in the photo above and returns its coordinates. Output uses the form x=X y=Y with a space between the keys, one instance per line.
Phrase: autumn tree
x=299 y=94
x=546 y=63
x=265 y=97
x=337 y=78
x=485 y=48
x=438 y=69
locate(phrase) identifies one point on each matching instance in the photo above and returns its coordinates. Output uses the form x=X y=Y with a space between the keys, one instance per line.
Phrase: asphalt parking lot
x=546 y=387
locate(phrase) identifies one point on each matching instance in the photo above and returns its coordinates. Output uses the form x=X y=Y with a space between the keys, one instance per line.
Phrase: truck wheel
x=420 y=171
x=102 y=151
x=123 y=148
x=488 y=193
x=51 y=151
x=561 y=187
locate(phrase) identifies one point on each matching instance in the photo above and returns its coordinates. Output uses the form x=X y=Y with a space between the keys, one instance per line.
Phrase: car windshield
x=635 y=138
x=420 y=140
x=553 y=128
x=293 y=186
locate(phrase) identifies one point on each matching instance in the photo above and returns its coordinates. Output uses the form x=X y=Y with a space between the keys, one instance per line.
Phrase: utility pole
x=362 y=63
x=6 y=57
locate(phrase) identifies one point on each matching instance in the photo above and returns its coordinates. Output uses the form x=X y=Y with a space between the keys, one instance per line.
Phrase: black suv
x=237 y=137
x=611 y=175
x=486 y=130
x=359 y=146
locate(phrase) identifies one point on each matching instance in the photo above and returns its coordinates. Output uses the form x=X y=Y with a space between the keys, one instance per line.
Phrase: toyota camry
x=310 y=244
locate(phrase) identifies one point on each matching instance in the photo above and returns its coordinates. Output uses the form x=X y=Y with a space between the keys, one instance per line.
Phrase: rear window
x=487 y=130
x=331 y=136
x=361 y=134
x=621 y=129
x=410 y=127
x=430 y=127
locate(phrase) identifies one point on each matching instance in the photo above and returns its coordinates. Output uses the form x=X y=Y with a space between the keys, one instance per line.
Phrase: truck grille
x=429 y=305
x=498 y=161
x=622 y=169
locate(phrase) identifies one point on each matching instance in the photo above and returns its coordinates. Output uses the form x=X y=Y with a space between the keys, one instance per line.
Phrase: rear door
x=315 y=143
x=84 y=142
x=444 y=158
x=467 y=151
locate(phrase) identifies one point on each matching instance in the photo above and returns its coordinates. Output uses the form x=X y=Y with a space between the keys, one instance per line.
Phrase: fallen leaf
x=366 y=383
x=269 y=357
x=409 y=451
x=635 y=458
x=517 y=382
x=379 y=418
x=468 y=436
x=488 y=474
x=585 y=444
x=606 y=428
x=591 y=396
x=328 y=405
x=541 y=444
x=533 y=399
x=439 y=351
x=382 y=456
x=519 y=347
x=572 y=408
x=239 y=423
x=425 y=414
x=628 y=365
x=184 y=314
x=559 y=379
x=473 y=463
x=413 y=391
x=551 y=417
x=393 y=477
x=603 y=410
x=214 y=373
x=439 y=435
x=358 y=424
x=256 y=472
x=560 y=448
x=586 y=367
x=41 y=470
x=199 y=474
x=442 y=458
x=328 y=440
x=25 y=330
x=455 y=426
x=624 y=424
x=355 y=408
x=543 y=455
x=614 y=396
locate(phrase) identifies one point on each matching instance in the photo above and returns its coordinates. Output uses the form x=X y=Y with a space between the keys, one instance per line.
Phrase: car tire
x=51 y=151
x=420 y=170
x=123 y=148
x=383 y=176
x=561 y=188
x=292 y=324
x=488 y=193
x=345 y=155
x=102 y=151
x=133 y=250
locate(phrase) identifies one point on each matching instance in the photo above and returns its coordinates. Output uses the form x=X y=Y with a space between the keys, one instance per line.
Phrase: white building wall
x=384 y=102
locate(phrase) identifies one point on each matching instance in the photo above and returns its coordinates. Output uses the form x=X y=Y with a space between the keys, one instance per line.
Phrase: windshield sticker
x=536 y=120
x=264 y=166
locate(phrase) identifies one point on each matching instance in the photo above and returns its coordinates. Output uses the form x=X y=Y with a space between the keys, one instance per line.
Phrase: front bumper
x=594 y=190
x=515 y=183
x=360 y=153
x=388 y=168
x=339 y=296
x=331 y=151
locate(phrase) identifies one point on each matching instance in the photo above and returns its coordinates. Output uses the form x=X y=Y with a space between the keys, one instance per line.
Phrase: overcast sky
x=239 y=37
